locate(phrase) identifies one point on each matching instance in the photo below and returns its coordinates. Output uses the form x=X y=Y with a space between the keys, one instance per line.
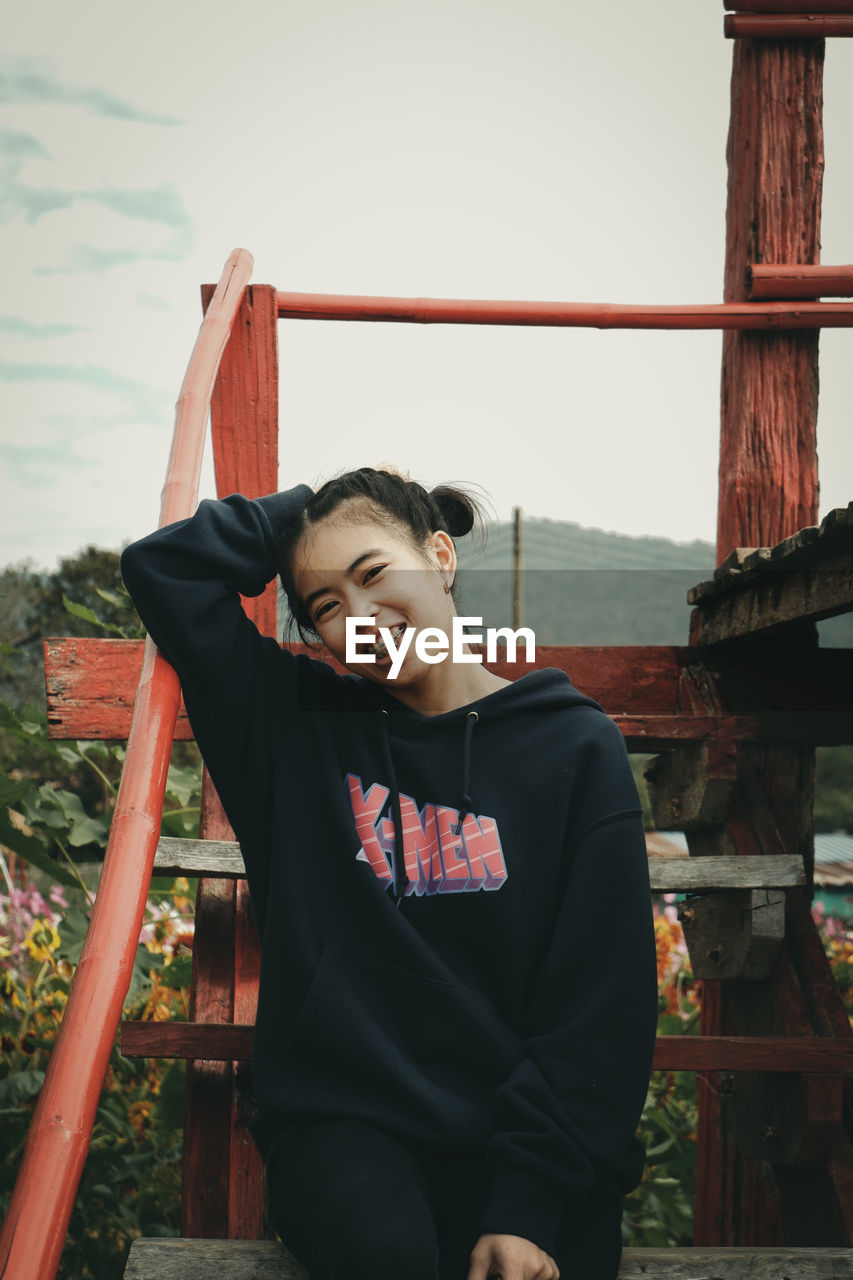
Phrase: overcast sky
x=448 y=148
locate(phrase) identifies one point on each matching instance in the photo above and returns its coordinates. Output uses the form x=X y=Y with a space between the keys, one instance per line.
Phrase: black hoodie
x=493 y=989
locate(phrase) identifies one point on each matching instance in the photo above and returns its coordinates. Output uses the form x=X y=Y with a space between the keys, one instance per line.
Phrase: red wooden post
x=219 y=1151
x=768 y=484
x=768 y=489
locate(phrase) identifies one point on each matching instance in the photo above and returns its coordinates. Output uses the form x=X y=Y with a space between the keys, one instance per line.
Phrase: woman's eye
x=373 y=571
x=324 y=609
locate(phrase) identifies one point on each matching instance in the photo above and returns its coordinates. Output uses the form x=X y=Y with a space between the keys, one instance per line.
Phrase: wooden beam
x=766 y=604
x=766 y=280
x=178 y=857
x=647 y=691
x=173 y=1259
x=227 y=1042
x=769 y=26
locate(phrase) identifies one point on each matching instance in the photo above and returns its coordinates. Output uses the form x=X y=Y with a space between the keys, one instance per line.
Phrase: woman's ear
x=445 y=554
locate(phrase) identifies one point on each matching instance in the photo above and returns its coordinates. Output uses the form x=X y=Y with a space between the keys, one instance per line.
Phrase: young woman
x=458 y=994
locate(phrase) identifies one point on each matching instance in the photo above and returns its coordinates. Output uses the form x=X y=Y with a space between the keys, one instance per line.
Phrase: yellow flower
x=41 y=940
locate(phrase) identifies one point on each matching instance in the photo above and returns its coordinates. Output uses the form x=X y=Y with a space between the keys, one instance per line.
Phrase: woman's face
x=372 y=570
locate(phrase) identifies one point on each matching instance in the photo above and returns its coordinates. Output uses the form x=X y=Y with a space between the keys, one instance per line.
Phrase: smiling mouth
x=379 y=647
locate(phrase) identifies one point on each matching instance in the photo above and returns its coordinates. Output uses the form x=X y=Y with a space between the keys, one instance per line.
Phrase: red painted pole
x=769 y=26
x=594 y=315
x=61 y=1128
x=765 y=281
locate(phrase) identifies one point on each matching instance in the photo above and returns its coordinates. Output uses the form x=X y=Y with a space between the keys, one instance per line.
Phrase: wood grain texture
x=649 y=691
x=233 y=1042
x=768 y=482
x=244 y=431
x=153 y=1259
x=179 y=857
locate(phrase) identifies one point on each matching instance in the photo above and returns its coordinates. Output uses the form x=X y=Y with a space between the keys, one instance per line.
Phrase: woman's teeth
x=379 y=647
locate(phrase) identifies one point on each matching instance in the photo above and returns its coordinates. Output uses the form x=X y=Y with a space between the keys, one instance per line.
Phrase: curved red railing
x=58 y=1140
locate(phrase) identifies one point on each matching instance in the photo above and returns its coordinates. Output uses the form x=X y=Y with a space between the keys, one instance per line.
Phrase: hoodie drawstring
x=465 y=805
x=401 y=878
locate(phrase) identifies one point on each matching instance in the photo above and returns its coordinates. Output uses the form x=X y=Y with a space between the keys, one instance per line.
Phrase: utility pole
x=517 y=590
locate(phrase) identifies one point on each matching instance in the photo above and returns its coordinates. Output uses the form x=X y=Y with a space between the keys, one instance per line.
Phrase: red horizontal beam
x=790 y=6
x=767 y=280
x=232 y=1042
x=645 y=688
x=770 y=26
x=578 y=315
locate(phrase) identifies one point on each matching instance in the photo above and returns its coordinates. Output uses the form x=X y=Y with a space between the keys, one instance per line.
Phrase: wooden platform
x=268 y=1260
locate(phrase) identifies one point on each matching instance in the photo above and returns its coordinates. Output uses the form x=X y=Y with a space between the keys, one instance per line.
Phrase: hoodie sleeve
x=186 y=580
x=570 y=1109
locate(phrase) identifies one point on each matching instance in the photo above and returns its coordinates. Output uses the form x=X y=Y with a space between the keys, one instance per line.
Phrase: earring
x=446 y=586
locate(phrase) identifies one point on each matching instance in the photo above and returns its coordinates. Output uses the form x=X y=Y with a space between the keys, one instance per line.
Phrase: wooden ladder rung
x=232 y=1042
x=178 y=857
x=159 y=1259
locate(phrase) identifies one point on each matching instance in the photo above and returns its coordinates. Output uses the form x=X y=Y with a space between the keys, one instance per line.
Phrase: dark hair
x=388 y=497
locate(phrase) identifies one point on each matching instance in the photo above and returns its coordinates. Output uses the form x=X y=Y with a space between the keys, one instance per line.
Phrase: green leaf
x=177 y=973
x=183 y=784
x=72 y=934
x=20 y=1087
x=12 y=790
x=31 y=849
x=88 y=615
x=115 y=598
x=89 y=831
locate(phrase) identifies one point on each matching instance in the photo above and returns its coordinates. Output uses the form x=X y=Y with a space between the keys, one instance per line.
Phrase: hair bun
x=456 y=510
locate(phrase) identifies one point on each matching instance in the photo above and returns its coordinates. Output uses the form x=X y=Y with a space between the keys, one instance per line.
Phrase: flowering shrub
x=659 y=1212
x=131 y=1182
x=837 y=938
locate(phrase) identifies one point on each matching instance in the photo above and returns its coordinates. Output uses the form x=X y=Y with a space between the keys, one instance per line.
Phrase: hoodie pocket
x=382 y=1042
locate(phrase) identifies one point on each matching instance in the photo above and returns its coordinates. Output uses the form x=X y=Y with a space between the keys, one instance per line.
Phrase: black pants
x=353 y=1204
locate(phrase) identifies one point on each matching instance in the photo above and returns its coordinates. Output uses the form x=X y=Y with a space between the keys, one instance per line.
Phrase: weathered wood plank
x=232 y=1042
x=179 y=857
x=784 y=597
x=156 y=1259
x=91 y=685
x=812 y=546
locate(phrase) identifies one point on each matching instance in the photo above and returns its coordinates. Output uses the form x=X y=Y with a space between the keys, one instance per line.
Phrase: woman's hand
x=511 y=1258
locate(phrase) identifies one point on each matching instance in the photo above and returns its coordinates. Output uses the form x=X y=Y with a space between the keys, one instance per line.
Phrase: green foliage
x=833 y=807
x=33 y=606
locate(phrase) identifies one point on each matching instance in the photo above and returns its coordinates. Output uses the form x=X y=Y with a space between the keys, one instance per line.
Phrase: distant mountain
x=587 y=586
